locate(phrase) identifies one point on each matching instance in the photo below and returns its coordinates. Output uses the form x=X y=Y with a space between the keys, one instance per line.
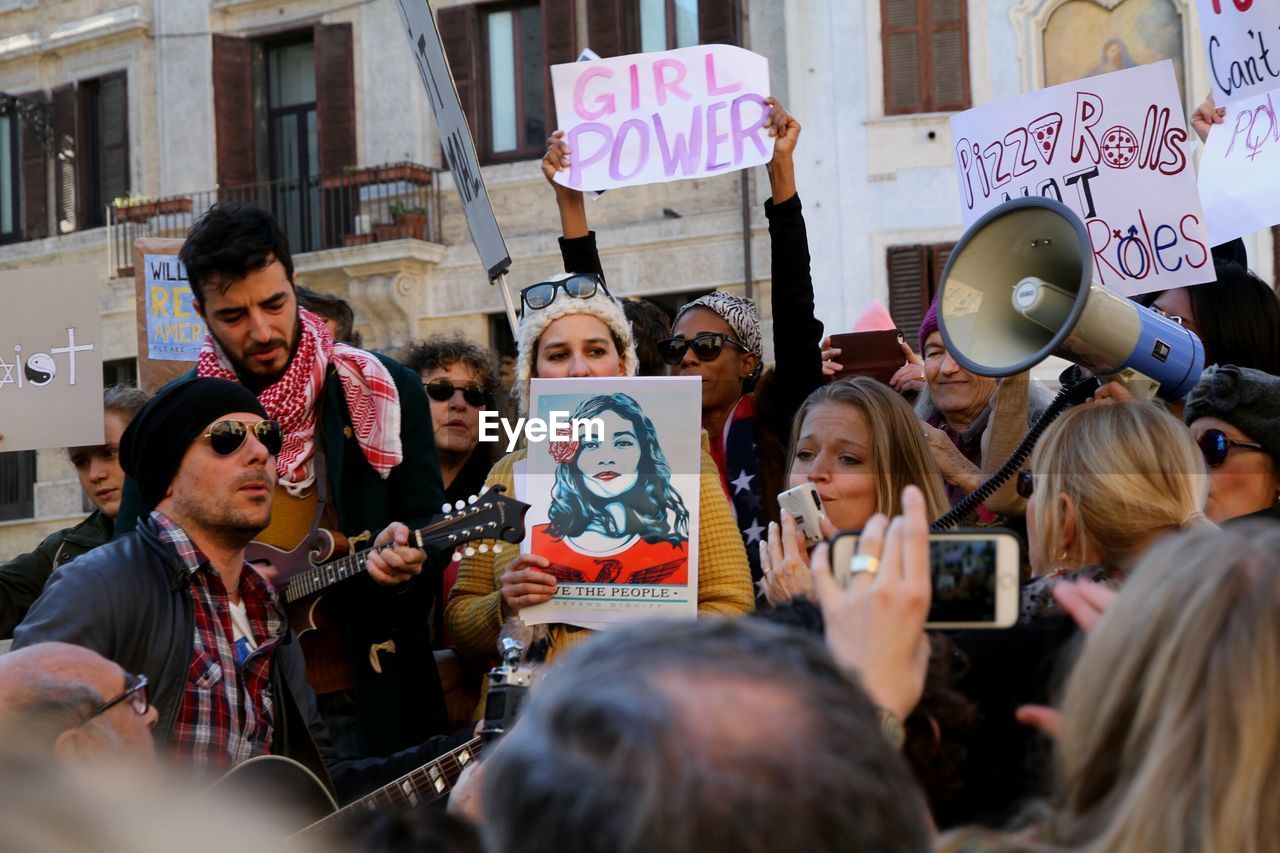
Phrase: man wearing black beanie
x=175 y=601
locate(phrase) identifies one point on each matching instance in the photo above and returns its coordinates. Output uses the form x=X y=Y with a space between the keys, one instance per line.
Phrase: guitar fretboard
x=427 y=783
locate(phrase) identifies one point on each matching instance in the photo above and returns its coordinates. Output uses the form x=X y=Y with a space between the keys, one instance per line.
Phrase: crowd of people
x=1129 y=707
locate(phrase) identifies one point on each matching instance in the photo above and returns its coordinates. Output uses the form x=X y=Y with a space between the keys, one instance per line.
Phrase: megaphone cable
x=1067 y=397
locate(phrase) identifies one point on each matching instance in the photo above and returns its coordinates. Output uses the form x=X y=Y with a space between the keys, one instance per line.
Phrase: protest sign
x=653 y=117
x=1113 y=149
x=1240 y=170
x=615 y=502
x=169 y=330
x=1238 y=36
x=50 y=358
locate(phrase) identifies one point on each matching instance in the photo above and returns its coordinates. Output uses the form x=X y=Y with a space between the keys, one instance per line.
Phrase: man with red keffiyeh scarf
x=358 y=456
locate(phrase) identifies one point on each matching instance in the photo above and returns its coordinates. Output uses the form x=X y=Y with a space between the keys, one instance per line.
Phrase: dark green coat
x=404 y=704
x=23 y=578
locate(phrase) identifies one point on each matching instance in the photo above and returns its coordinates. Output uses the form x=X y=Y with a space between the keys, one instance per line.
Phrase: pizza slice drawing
x=1044 y=134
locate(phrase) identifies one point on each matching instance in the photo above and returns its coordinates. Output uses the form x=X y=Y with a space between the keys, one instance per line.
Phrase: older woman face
x=958 y=394
x=1247 y=481
x=834 y=452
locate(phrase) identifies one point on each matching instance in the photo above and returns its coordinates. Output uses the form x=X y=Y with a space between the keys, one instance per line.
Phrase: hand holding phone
x=805 y=507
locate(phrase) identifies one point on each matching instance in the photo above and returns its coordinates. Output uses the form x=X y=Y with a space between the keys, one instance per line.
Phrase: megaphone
x=1019 y=288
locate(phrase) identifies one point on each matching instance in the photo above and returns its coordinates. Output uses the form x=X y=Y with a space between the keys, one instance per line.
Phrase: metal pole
x=501 y=282
x=746 y=230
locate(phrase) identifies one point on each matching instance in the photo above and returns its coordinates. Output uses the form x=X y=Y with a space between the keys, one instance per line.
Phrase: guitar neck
x=320 y=577
x=428 y=783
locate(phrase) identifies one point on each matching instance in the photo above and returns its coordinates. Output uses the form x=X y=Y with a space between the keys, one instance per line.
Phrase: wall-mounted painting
x=1087 y=37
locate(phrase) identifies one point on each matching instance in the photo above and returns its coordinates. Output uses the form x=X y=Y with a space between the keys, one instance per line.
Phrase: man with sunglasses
x=358 y=455
x=175 y=601
x=76 y=704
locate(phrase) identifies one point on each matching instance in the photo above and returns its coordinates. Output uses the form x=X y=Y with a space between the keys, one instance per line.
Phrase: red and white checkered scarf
x=370 y=393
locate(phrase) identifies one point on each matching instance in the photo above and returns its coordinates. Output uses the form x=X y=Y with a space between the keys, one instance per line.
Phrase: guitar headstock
x=489 y=515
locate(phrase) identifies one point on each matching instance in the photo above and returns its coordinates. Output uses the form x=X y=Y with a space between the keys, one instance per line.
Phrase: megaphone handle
x=1070 y=396
x=1139 y=385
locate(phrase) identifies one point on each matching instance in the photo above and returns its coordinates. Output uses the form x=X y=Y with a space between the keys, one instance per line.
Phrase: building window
x=292 y=142
x=120 y=371
x=10 y=219
x=516 y=81
x=91 y=131
x=17 y=485
x=668 y=24
x=926 y=48
x=914 y=273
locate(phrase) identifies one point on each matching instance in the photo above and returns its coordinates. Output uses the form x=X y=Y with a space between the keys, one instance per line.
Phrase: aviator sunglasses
x=226 y=437
x=135 y=693
x=582 y=286
x=441 y=390
x=1214 y=446
x=707 y=346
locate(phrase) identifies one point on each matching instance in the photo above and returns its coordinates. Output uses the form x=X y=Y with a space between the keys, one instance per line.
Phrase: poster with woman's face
x=614 y=497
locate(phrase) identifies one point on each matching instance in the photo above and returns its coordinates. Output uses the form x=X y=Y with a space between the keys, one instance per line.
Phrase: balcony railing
x=353 y=208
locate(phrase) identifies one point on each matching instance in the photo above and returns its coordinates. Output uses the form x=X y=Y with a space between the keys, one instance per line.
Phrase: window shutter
x=938 y=255
x=459 y=31
x=65 y=114
x=113 y=127
x=900 y=30
x=559 y=45
x=17 y=485
x=908 y=287
x=949 y=55
x=335 y=97
x=233 y=110
x=607 y=33
x=717 y=22
x=35 y=184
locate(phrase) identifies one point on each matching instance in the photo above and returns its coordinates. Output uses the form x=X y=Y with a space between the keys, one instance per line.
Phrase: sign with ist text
x=1113 y=148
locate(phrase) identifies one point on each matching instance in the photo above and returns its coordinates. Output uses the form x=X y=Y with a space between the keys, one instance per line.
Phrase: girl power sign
x=653 y=117
x=1113 y=148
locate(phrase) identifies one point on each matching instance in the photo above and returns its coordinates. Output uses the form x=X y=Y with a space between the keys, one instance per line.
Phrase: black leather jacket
x=23 y=577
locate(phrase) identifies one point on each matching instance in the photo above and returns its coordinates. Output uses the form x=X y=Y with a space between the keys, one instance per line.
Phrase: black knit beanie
x=152 y=448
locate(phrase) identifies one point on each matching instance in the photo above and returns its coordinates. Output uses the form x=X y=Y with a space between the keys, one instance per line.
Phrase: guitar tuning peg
x=484 y=549
x=497 y=548
x=446 y=507
x=457 y=555
x=473 y=499
x=460 y=505
x=470 y=552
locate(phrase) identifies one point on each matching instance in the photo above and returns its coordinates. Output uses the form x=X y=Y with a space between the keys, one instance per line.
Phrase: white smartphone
x=805 y=507
x=975 y=576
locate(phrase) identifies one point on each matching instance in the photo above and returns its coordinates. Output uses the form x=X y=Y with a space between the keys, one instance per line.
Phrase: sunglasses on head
x=135 y=693
x=226 y=437
x=706 y=346
x=441 y=390
x=1214 y=446
x=1025 y=485
x=582 y=286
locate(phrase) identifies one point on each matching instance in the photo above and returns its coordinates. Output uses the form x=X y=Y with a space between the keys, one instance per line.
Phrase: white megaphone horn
x=1019 y=288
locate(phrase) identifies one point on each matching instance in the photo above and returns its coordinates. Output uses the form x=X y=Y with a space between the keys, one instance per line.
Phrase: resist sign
x=654 y=117
x=1238 y=38
x=1113 y=148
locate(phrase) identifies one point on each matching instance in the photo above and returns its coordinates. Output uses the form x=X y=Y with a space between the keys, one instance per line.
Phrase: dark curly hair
x=229 y=241
x=444 y=352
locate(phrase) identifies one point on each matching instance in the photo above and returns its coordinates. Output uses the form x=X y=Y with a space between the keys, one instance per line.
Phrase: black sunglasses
x=135 y=692
x=1025 y=485
x=706 y=346
x=582 y=286
x=1214 y=445
x=441 y=390
x=226 y=437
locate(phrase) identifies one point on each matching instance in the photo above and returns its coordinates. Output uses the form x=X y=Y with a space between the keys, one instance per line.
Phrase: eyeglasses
x=135 y=693
x=1025 y=485
x=538 y=296
x=226 y=437
x=1215 y=446
x=706 y=346
x=442 y=390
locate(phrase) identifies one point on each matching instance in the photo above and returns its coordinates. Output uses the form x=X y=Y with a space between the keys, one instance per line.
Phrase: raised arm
x=578 y=243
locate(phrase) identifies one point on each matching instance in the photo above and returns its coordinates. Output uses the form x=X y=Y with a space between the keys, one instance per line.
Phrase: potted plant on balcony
x=410 y=222
x=411 y=173
x=351 y=176
x=134 y=208
x=175 y=204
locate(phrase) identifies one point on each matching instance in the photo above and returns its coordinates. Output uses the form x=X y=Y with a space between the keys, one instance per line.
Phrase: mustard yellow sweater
x=474 y=612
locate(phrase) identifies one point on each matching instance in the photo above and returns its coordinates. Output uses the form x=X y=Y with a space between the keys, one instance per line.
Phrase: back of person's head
x=231 y=240
x=649 y=324
x=443 y=352
x=331 y=307
x=1238 y=318
x=124 y=400
x=700 y=736
x=1132 y=473
x=1169 y=738
x=900 y=454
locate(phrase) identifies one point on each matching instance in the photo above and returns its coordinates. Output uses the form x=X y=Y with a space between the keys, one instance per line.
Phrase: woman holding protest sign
x=572 y=327
x=718 y=338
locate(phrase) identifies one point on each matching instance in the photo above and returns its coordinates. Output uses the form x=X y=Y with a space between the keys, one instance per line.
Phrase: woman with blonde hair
x=1106 y=481
x=859 y=443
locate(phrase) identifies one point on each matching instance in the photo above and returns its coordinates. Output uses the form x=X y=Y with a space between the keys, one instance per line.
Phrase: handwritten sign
x=50 y=358
x=1238 y=37
x=653 y=117
x=1113 y=148
x=175 y=331
x=1240 y=169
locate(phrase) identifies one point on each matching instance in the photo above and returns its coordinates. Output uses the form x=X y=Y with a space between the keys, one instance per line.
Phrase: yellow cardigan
x=474 y=612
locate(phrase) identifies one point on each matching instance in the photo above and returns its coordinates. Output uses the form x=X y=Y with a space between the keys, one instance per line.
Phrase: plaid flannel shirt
x=226 y=711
